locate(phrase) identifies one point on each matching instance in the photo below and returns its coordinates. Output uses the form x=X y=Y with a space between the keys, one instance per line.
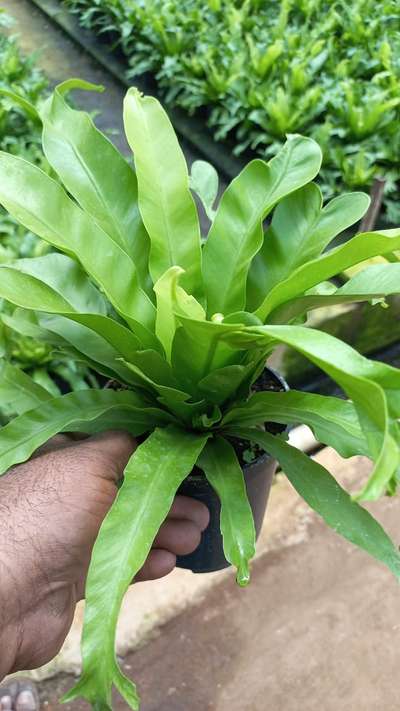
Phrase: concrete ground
x=318 y=629
x=60 y=58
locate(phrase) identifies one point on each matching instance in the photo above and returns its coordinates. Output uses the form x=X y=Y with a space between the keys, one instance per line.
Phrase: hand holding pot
x=51 y=510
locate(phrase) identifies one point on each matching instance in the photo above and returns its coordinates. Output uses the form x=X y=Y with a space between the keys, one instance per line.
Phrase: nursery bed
x=191 y=130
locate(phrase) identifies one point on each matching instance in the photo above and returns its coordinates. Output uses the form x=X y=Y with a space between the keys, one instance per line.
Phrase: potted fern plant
x=184 y=329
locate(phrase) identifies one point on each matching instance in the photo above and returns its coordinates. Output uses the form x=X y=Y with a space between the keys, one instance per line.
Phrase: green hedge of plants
x=260 y=70
x=20 y=134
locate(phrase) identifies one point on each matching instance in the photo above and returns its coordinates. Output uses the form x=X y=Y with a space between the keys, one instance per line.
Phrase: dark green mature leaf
x=224 y=383
x=18 y=390
x=92 y=346
x=93 y=335
x=151 y=480
x=334 y=421
x=363 y=246
x=27 y=106
x=236 y=234
x=300 y=230
x=351 y=371
x=204 y=182
x=31 y=325
x=198 y=349
x=26 y=324
x=320 y=490
x=222 y=469
x=56 y=284
x=24 y=435
x=388 y=377
x=62 y=274
x=374 y=282
x=96 y=174
x=42 y=206
x=165 y=201
x=160 y=380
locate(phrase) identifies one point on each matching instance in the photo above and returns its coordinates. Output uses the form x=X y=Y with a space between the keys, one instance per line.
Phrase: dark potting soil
x=248 y=452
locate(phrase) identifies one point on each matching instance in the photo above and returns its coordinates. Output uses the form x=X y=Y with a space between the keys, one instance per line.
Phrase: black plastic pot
x=209 y=556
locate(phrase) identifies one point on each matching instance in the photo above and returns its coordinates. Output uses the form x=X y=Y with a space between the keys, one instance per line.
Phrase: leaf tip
x=243 y=575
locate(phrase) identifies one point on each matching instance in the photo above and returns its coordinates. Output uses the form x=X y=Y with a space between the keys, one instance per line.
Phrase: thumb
x=114 y=448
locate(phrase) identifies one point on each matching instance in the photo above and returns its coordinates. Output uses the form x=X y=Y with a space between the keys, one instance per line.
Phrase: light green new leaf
x=42 y=206
x=18 y=390
x=21 y=437
x=300 y=230
x=222 y=469
x=204 y=182
x=165 y=201
x=334 y=421
x=363 y=246
x=172 y=300
x=320 y=490
x=166 y=320
x=236 y=234
x=151 y=480
x=96 y=174
x=374 y=282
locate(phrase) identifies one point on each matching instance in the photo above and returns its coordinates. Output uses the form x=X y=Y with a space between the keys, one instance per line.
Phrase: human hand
x=51 y=509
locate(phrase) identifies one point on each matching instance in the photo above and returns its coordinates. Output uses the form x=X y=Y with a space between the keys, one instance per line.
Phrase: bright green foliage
x=23 y=88
x=263 y=70
x=221 y=467
x=152 y=477
x=184 y=328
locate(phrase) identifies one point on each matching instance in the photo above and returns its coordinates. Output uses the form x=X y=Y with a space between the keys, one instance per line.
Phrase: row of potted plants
x=258 y=71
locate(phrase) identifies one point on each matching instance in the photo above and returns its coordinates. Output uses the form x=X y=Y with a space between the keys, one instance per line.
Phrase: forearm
x=9 y=635
x=16 y=589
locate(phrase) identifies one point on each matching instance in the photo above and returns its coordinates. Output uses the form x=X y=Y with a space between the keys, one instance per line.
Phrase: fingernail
x=26 y=702
x=6 y=703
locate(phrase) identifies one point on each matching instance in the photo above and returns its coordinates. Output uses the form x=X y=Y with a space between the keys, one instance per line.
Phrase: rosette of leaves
x=184 y=328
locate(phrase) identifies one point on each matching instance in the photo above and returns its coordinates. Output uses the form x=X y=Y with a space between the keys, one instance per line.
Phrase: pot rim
x=265 y=456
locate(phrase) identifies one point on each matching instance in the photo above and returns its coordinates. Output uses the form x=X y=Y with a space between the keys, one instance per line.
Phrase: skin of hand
x=51 y=509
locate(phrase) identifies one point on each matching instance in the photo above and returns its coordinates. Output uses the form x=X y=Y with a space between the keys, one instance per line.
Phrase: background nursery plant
x=256 y=71
x=184 y=328
x=20 y=134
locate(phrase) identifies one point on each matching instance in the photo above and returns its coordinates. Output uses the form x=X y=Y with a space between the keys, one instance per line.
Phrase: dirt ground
x=318 y=629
